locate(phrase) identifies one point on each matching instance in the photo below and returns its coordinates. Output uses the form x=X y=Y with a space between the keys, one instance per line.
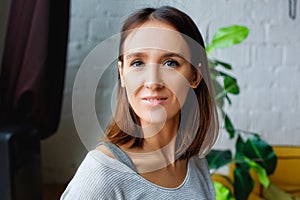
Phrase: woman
x=165 y=119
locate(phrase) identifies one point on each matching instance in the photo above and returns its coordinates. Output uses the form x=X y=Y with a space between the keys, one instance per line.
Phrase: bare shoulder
x=105 y=150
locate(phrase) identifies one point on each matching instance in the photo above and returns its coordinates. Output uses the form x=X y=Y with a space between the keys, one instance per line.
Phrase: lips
x=154 y=100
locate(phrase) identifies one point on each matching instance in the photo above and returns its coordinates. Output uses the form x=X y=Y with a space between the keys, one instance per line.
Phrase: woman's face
x=156 y=72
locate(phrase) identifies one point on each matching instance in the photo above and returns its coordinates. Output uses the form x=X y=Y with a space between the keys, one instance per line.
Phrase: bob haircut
x=197 y=133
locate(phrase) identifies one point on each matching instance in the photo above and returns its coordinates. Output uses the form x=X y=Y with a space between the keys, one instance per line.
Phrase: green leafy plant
x=222 y=192
x=251 y=152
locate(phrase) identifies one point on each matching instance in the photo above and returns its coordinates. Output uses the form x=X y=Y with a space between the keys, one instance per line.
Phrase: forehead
x=156 y=35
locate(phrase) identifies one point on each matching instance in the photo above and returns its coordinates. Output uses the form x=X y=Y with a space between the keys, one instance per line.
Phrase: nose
x=153 y=79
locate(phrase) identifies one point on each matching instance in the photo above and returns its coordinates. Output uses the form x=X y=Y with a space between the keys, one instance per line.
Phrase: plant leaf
x=218 y=158
x=230 y=85
x=262 y=153
x=239 y=145
x=209 y=48
x=239 y=154
x=228 y=36
x=229 y=126
x=222 y=192
x=243 y=183
x=225 y=65
x=221 y=73
x=228 y=99
x=260 y=171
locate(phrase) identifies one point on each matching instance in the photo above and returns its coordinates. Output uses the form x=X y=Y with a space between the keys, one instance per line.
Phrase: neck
x=158 y=150
x=157 y=136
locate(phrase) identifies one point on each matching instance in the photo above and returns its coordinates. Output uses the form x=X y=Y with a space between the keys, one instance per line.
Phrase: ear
x=120 y=68
x=197 y=77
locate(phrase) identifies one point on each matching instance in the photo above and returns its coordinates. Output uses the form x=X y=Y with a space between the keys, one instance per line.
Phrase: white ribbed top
x=102 y=177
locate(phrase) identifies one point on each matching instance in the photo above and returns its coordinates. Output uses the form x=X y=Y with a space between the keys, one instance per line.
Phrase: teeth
x=155 y=99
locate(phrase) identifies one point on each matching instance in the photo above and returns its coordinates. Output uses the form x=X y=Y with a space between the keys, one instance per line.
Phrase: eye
x=137 y=63
x=171 y=63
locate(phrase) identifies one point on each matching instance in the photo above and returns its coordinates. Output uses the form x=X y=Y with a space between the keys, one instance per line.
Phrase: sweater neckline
x=187 y=176
x=120 y=166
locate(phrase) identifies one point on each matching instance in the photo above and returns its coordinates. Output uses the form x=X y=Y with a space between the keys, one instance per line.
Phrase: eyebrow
x=135 y=54
x=171 y=54
x=142 y=55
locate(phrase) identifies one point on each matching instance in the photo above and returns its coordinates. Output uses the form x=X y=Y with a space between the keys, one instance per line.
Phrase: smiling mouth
x=154 y=101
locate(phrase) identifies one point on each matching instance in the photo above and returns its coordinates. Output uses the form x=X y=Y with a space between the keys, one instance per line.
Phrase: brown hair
x=205 y=123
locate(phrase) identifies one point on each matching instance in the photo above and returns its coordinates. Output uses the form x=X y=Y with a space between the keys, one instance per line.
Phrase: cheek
x=133 y=80
x=178 y=84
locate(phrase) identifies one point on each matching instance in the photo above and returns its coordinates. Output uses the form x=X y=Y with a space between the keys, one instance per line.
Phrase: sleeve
x=91 y=181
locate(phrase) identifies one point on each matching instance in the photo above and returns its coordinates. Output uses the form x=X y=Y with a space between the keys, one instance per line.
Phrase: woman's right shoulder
x=105 y=150
x=97 y=174
x=96 y=165
x=99 y=162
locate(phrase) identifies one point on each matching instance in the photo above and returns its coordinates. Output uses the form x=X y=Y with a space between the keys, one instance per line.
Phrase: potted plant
x=251 y=152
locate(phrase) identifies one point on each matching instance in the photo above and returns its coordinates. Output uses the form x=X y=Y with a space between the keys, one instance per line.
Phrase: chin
x=158 y=117
x=155 y=119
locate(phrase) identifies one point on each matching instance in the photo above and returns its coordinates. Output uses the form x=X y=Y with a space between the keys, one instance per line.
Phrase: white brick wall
x=266 y=66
